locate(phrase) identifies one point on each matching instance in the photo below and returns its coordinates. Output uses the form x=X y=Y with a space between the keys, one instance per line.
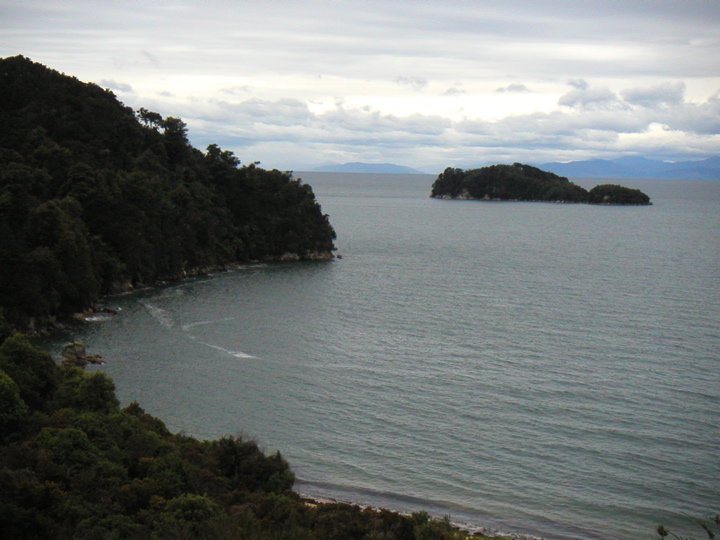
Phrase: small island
x=519 y=182
x=614 y=194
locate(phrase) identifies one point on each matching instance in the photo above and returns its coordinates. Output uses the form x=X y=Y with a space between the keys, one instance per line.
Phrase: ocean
x=536 y=368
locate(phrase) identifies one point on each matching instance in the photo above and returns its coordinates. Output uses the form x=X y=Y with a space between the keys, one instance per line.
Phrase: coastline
x=43 y=327
x=465 y=197
x=473 y=528
x=470 y=528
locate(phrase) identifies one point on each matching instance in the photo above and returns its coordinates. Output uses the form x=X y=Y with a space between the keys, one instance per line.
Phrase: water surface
x=542 y=368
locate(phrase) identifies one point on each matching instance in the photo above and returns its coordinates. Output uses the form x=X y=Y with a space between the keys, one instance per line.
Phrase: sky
x=426 y=84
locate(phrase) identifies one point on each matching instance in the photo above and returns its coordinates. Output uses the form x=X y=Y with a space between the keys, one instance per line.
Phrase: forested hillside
x=97 y=198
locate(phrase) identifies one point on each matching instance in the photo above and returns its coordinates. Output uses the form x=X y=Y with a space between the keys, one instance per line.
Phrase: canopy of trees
x=95 y=198
x=614 y=194
x=520 y=182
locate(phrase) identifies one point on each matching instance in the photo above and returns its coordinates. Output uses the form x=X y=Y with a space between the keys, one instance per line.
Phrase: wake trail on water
x=236 y=354
x=165 y=319
x=159 y=314
x=187 y=327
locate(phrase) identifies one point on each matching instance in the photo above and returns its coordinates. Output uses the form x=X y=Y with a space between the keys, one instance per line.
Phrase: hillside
x=97 y=198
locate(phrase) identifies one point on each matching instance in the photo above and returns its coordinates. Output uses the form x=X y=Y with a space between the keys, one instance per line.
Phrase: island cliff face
x=520 y=182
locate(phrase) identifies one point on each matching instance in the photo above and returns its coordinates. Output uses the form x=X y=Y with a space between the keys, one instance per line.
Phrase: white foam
x=187 y=327
x=97 y=318
x=159 y=314
x=239 y=354
x=236 y=354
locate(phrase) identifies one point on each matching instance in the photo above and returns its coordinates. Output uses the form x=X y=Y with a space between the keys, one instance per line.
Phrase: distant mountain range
x=624 y=167
x=356 y=167
x=637 y=167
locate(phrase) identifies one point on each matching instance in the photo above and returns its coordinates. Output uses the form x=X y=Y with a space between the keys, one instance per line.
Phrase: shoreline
x=44 y=327
x=471 y=529
x=462 y=197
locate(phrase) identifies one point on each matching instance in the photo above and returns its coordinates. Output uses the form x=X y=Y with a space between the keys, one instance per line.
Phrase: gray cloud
x=662 y=94
x=514 y=88
x=113 y=85
x=150 y=58
x=454 y=91
x=416 y=83
x=590 y=98
x=579 y=84
x=702 y=119
x=360 y=131
x=283 y=112
x=237 y=90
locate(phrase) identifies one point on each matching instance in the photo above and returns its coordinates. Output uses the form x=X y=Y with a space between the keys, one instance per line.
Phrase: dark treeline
x=520 y=182
x=95 y=198
x=73 y=464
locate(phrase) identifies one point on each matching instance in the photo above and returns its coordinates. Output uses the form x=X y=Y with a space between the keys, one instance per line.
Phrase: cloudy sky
x=428 y=84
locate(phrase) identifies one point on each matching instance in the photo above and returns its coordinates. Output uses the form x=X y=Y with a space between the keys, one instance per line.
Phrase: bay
x=547 y=369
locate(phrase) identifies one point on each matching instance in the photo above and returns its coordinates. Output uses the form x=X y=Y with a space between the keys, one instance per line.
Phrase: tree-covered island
x=520 y=182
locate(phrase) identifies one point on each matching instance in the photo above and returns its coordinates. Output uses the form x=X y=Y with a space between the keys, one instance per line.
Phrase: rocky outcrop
x=74 y=354
x=312 y=256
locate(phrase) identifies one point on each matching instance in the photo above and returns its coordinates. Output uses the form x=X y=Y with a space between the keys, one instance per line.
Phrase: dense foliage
x=95 y=198
x=520 y=182
x=73 y=464
x=614 y=194
x=506 y=182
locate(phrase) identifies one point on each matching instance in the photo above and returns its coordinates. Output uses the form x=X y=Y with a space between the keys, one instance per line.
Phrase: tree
x=5 y=328
x=33 y=371
x=86 y=392
x=247 y=468
x=449 y=182
x=614 y=194
x=150 y=119
x=215 y=154
x=175 y=139
x=12 y=407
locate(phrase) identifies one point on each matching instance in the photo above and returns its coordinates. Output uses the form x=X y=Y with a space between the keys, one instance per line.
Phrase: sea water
x=538 y=368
